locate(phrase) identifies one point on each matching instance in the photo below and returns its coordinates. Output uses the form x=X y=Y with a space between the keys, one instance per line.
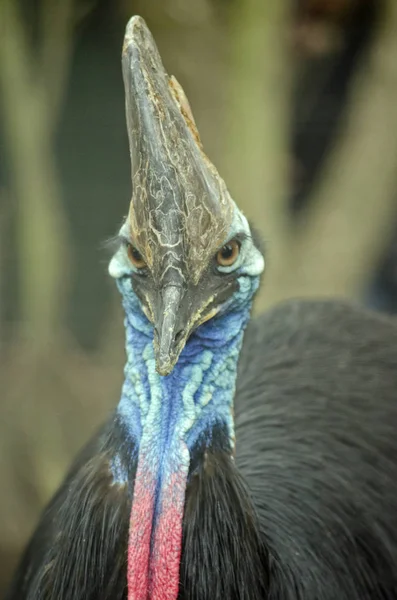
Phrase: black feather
x=78 y=551
x=307 y=512
x=316 y=422
x=223 y=553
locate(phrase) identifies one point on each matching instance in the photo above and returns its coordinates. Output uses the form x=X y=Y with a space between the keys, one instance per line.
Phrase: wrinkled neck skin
x=165 y=417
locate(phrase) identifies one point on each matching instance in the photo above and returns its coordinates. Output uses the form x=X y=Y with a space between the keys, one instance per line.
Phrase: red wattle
x=154 y=553
x=167 y=546
x=141 y=523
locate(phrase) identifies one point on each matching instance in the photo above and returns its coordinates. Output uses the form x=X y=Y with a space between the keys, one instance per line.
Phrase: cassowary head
x=185 y=246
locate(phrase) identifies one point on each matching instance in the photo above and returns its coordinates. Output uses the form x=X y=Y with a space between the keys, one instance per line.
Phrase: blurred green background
x=296 y=103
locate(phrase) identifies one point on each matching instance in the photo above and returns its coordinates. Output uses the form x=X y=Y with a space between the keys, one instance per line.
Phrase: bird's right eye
x=135 y=257
x=228 y=254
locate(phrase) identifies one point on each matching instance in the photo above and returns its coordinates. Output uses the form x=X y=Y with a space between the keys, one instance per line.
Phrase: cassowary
x=229 y=471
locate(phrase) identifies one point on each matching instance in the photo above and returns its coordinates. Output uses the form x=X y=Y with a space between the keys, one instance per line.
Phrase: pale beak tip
x=135 y=26
x=164 y=367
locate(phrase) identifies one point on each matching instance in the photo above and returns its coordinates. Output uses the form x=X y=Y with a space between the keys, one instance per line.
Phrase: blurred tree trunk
x=31 y=91
x=31 y=86
x=355 y=207
x=2 y=262
x=332 y=250
x=256 y=121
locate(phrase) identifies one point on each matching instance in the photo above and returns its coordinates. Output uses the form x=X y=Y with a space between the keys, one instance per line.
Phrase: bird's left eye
x=228 y=254
x=135 y=257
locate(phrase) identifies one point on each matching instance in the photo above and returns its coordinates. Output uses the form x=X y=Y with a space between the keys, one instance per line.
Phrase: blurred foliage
x=296 y=103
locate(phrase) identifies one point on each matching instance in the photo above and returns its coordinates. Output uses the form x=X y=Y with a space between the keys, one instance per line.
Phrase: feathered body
x=282 y=488
x=307 y=511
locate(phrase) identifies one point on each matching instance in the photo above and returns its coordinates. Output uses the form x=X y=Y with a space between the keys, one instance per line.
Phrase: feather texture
x=309 y=510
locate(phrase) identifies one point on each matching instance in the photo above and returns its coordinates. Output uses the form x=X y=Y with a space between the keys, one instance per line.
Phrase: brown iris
x=228 y=254
x=135 y=257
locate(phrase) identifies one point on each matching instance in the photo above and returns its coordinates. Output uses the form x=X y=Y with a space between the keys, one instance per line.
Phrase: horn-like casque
x=180 y=211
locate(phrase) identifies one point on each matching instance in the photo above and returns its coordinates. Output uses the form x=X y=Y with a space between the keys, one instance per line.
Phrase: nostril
x=178 y=336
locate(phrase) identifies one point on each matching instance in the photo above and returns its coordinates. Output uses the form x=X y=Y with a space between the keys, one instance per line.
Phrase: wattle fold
x=167 y=539
x=140 y=533
x=155 y=536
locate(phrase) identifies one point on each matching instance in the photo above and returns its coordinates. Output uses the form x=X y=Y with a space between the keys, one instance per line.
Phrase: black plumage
x=309 y=510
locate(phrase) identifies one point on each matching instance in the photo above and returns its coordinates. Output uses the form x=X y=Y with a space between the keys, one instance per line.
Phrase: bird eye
x=228 y=254
x=135 y=257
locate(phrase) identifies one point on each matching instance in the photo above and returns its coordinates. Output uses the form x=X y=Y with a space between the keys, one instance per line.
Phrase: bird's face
x=173 y=300
x=185 y=248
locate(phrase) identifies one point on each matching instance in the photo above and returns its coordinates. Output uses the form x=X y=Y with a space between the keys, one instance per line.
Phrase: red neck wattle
x=155 y=535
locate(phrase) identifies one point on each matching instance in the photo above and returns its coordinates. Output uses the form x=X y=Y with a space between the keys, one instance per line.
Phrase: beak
x=168 y=338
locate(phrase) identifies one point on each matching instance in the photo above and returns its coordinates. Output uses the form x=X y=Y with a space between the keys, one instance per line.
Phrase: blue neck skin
x=199 y=392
